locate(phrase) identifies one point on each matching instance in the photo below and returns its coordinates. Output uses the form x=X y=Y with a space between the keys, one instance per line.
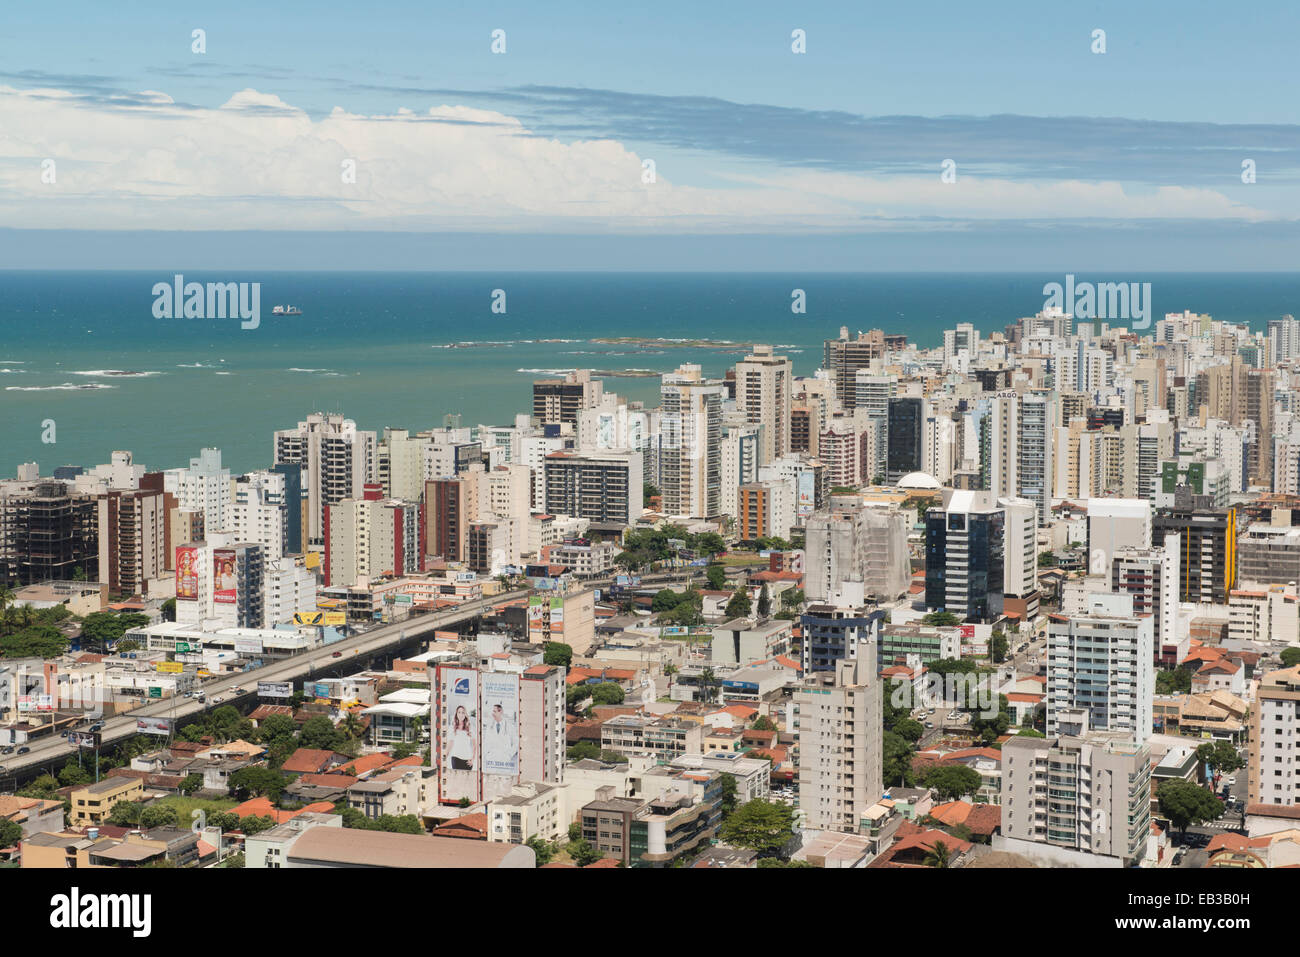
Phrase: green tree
x=583 y=852
x=763 y=723
x=717 y=576
x=939 y=856
x=1173 y=681
x=124 y=814
x=739 y=605
x=896 y=761
x=234 y=860
x=10 y=832
x=1046 y=560
x=941 y=619
x=607 y=692
x=665 y=600
x=909 y=729
x=575 y=831
x=582 y=750
x=762 y=826
x=255 y=781
x=542 y=849
x=1290 y=657
x=34 y=641
x=169 y=609
x=764 y=602
x=792 y=598
x=951 y=781
x=767 y=862
x=707 y=544
x=1221 y=756
x=73 y=774
x=276 y=727
x=709 y=684
x=256 y=824
x=319 y=734
x=158 y=815
x=999 y=646
x=557 y=653
x=728 y=782
x=989 y=729
x=1184 y=803
x=648 y=492
x=191 y=783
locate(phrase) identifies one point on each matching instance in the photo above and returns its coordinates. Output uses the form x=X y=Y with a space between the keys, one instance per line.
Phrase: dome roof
x=919 y=480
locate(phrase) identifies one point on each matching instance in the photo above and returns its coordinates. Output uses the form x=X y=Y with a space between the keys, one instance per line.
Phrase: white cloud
x=258 y=162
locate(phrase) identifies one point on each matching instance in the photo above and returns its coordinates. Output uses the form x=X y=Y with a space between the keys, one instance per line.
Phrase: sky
x=660 y=136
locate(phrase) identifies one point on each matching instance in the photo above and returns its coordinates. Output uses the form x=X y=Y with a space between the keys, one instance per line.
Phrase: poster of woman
x=460 y=751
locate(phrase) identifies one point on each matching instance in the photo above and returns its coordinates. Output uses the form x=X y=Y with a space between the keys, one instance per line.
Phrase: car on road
x=24 y=749
x=97 y=726
x=1230 y=782
x=337 y=654
x=7 y=750
x=929 y=724
x=238 y=690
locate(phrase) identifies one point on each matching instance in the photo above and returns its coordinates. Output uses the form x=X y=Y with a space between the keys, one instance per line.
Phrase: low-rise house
x=532 y=809
x=33 y=815
x=93 y=803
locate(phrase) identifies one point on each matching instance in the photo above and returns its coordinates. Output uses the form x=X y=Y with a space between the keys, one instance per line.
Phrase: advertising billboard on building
x=557 y=614
x=536 y=609
x=223 y=576
x=187 y=573
x=321 y=690
x=274 y=689
x=248 y=646
x=335 y=618
x=458 y=735
x=807 y=492
x=158 y=726
x=83 y=739
x=500 y=707
x=169 y=667
x=309 y=618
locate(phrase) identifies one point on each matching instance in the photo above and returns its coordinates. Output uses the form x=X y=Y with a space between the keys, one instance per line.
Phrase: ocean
x=83 y=350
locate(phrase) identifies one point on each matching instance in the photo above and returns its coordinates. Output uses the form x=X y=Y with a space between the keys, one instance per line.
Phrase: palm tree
x=352 y=726
x=6 y=602
x=938 y=856
x=708 y=681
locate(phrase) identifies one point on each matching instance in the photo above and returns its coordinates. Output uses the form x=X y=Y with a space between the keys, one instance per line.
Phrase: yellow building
x=93 y=803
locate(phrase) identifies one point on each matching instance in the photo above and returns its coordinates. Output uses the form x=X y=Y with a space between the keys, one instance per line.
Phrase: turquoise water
x=372 y=345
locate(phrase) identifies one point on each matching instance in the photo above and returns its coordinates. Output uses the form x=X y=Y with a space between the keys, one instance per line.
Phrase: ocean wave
x=99 y=373
x=14 y=371
x=223 y=373
x=546 y=371
x=296 y=369
x=195 y=365
x=66 y=387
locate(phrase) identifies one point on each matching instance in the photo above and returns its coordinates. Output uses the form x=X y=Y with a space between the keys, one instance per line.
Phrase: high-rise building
x=562 y=400
x=338 y=461
x=965 y=557
x=132 y=539
x=1208 y=551
x=372 y=537
x=1081 y=799
x=399 y=465
x=1269 y=554
x=1019 y=558
x=838 y=724
x=1115 y=523
x=1150 y=576
x=763 y=387
x=833 y=631
x=46 y=533
x=1273 y=774
x=205 y=486
x=1036 y=454
x=853 y=542
x=259 y=512
x=222 y=581
x=603 y=487
x=906 y=434
x=690 y=457
x=843 y=357
x=765 y=510
x=450 y=504
x=1102 y=662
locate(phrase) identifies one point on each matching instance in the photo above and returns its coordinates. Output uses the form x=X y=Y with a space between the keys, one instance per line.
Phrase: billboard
x=83 y=739
x=248 y=646
x=309 y=618
x=223 y=576
x=536 y=609
x=321 y=690
x=187 y=573
x=458 y=735
x=806 y=486
x=159 y=726
x=188 y=647
x=557 y=614
x=500 y=707
x=274 y=689
x=169 y=667
x=335 y=618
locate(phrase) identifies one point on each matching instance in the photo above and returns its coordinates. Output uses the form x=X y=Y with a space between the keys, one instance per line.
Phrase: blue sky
x=1060 y=153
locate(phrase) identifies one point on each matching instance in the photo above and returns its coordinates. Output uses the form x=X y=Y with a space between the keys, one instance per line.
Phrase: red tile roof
x=306 y=760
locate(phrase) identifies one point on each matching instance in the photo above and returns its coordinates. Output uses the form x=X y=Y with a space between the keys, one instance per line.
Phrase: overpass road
x=49 y=753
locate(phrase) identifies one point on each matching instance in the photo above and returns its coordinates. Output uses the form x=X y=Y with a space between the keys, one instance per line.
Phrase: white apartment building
x=259 y=512
x=1274 y=769
x=1102 y=662
x=338 y=460
x=837 y=720
x=763 y=386
x=204 y=487
x=290 y=588
x=690 y=455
